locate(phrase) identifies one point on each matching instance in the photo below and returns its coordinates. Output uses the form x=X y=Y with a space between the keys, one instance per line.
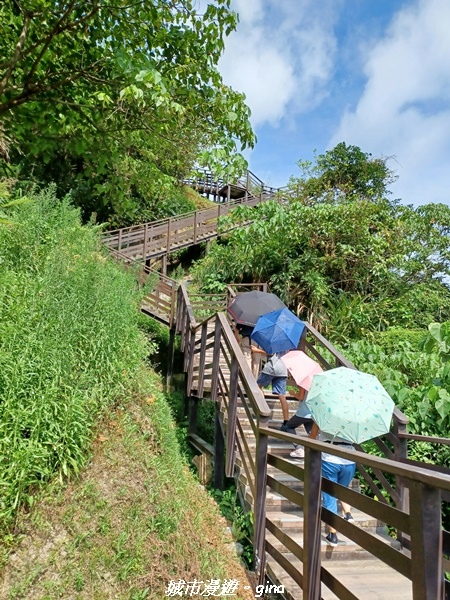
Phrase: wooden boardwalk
x=159 y=238
x=284 y=494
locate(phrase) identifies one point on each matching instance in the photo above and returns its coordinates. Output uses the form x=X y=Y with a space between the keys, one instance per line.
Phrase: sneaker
x=284 y=427
x=332 y=539
x=299 y=452
x=349 y=517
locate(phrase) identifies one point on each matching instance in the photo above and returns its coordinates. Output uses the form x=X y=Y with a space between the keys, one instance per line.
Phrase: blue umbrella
x=278 y=331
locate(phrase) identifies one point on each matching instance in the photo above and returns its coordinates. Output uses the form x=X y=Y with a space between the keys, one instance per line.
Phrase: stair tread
x=345 y=544
x=368 y=579
x=292 y=517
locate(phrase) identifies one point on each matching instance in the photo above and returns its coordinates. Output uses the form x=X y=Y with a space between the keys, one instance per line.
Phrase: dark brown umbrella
x=246 y=308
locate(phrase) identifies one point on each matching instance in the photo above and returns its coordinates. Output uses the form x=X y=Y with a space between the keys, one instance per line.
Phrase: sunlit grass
x=69 y=345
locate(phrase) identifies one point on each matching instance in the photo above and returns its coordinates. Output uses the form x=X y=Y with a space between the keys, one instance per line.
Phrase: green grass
x=96 y=498
x=69 y=345
x=133 y=520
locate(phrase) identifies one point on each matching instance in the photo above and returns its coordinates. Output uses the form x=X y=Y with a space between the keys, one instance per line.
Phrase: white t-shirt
x=331 y=458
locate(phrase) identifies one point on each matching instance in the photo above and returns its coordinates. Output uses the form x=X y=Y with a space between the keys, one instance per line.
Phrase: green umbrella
x=350 y=404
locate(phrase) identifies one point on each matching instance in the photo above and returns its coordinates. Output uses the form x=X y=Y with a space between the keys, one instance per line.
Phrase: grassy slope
x=70 y=352
x=135 y=518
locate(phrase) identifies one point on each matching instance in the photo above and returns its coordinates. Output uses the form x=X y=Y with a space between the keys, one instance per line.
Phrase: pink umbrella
x=301 y=367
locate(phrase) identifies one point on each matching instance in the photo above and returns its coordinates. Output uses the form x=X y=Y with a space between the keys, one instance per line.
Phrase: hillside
x=135 y=519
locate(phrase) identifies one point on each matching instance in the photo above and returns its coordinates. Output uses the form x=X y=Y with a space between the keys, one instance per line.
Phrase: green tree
x=341 y=174
x=118 y=98
x=351 y=268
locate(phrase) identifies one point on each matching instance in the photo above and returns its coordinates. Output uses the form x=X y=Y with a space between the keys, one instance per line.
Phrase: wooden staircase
x=284 y=494
x=289 y=519
x=157 y=239
x=367 y=563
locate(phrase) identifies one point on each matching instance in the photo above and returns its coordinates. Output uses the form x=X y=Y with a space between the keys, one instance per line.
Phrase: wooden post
x=195 y=228
x=232 y=413
x=164 y=264
x=201 y=366
x=401 y=453
x=119 y=242
x=219 y=452
x=426 y=542
x=187 y=329
x=262 y=443
x=145 y=246
x=311 y=525
x=191 y=348
x=302 y=342
x=229 y=193
x=169 y=225
x=216 y=362
x=173 y=301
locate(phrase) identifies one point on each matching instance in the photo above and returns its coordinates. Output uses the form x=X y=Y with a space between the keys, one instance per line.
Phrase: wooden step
x=366 y=579
x=345 y=550
x=292 y=521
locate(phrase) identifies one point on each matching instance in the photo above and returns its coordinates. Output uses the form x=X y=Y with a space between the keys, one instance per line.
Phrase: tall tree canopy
x=342 y=174
x=114 y=96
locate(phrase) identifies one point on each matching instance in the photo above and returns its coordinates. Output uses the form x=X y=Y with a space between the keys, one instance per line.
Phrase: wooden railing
x=222 y=189
x=156 y=239
x=225 y=372
x=406 y=497
x=422 y=522
x=159 y=301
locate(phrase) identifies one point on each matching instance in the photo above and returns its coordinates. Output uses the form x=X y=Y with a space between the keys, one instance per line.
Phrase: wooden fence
x=158 y=238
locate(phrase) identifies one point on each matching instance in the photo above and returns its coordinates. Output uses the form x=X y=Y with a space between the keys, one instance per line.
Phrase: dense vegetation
x=69 y=343
x=133 y=520
x=117 y=101
x=370 y=273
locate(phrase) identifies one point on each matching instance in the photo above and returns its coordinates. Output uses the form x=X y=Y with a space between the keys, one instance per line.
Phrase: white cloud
x=404 y=110
x=281 y=56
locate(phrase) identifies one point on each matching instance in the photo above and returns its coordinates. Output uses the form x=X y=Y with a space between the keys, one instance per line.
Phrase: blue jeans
x=342 y=474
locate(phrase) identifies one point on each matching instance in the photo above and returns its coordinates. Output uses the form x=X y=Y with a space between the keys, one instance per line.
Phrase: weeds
x=241 y=521
x=135 y=518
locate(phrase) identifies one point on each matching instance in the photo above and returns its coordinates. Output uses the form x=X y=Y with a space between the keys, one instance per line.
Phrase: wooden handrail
x=424 y=438
x=108 y=234
x=419 y=474
x=255 y=394
x=418 y=521
x=425 y=486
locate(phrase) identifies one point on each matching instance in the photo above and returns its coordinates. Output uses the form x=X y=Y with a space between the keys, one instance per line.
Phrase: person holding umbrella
x=348 y=406
x=242 y=334
x=245 y=310
x=302 y=368
x=274 y=373
x=276 y=333
x=337 y=469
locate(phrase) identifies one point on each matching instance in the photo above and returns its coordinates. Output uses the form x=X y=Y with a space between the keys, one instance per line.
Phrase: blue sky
x=374 y=73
